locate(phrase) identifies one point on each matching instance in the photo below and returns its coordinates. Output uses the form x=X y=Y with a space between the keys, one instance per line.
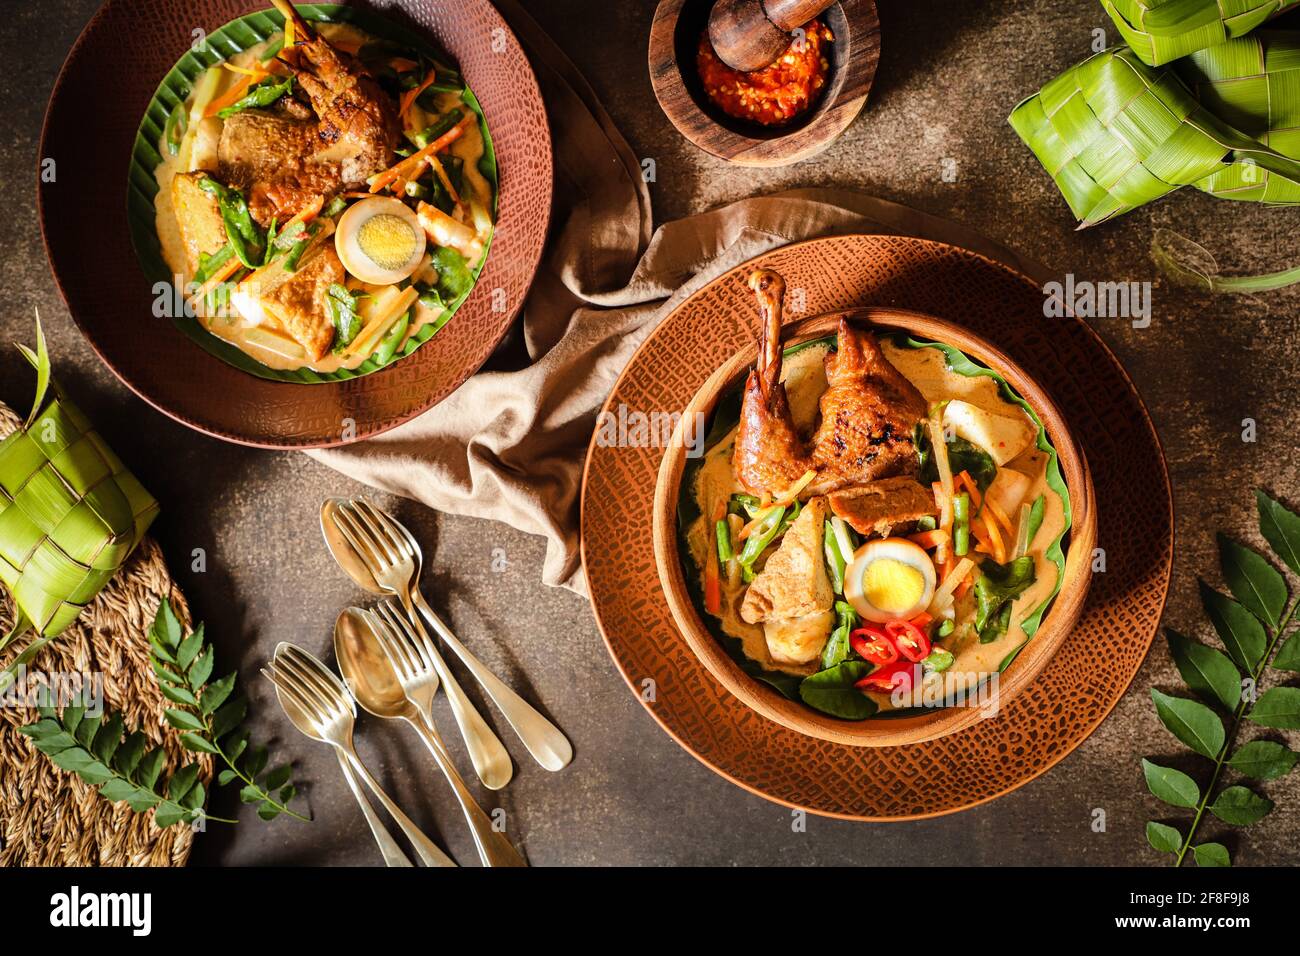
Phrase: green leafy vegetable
x=260 y=94
x=832 y=692
x=996 y=587
x=837 y=645
x=962 y=456
x=246 y=238
x=342 y=307
x=454 y=278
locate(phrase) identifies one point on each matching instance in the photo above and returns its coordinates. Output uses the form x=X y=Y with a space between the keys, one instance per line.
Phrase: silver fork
x=545 y=742
x=413 y=666
x=325 y=702
x=392 y=571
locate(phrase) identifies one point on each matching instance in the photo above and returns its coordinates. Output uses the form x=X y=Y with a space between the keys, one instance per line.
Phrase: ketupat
x=70 y=512
x=1253 y=85
x=1161 y=31
x=1115 y=134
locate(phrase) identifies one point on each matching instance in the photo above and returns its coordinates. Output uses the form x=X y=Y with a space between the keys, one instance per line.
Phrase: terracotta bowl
x=880 y=731
x=674 y=37
x=100 y=95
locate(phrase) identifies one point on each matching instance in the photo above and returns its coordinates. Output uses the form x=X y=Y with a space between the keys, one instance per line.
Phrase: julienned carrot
x=235 y=93
x=411 y=95
x=232 y=266
x=929 y=539
x=409 y=168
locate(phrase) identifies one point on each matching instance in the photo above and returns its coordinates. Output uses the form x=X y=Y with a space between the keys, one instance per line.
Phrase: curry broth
x=804 y=375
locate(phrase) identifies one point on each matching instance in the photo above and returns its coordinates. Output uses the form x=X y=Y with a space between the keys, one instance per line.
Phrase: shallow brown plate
x=100 y=95
x=1054 y=713
x=893 y=730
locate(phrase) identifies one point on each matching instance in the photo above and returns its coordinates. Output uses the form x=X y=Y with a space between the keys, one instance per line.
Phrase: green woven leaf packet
x=70 y=512
x=1115 y=133
x=1161 y=31
x=1253 y=85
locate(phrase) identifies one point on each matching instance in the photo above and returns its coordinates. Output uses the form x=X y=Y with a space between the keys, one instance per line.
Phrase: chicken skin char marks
x=285 y=157
x=869 y=413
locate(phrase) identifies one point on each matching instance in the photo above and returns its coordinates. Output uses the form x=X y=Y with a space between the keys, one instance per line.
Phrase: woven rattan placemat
x=48 y=816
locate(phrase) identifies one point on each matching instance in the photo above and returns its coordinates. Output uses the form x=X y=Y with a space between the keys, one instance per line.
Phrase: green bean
x=961 y=523
x=835 y=562
x=177 y=122
x=439 y=126
x=766 y=532
x=722 y=531
x=394 y=337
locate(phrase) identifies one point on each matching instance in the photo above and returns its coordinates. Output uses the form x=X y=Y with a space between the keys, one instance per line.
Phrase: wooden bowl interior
x=883 y=730
x=692 y=21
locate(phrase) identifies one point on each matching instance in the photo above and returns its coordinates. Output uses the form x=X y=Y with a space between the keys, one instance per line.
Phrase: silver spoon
x=376 y=685
x=547 y=744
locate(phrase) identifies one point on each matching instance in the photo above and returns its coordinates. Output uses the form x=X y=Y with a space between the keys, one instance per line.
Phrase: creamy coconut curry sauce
x=307 y=249
x=940 y=589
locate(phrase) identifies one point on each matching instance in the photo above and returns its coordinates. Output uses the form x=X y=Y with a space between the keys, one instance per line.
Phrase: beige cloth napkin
x=509 y=445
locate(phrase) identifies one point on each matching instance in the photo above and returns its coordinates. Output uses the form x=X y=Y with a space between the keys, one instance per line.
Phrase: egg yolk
x=892 y=586
x=387 y=241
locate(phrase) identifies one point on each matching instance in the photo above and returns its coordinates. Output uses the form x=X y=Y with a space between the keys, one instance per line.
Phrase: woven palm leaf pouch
x=70 y=514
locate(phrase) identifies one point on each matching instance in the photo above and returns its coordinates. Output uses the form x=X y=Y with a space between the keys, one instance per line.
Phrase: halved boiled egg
x=890 y=579
x=380 y=240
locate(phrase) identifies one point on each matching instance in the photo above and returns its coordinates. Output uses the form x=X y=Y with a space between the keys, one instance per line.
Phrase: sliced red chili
x=911 y=641
x=873 y=646
x=885 y=679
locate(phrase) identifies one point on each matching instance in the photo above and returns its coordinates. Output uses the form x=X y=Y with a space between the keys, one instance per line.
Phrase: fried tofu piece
x=300 y=302
x=878 y=507
x=792 y=595
x=202 y=231
x=798 y=640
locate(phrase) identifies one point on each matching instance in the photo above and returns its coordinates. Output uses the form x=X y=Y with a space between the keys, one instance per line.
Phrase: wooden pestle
x=749 y=35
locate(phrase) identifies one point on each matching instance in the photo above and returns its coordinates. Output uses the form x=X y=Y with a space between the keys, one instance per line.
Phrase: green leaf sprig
x=210 y=715
x=1252 y=625
x=125 y=769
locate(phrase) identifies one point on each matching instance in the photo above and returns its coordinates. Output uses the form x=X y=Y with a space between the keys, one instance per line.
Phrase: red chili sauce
x=777 y=93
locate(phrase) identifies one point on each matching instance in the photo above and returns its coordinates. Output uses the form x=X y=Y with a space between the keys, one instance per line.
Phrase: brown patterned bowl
x=674 y=34
x=1055 y=713
x=100 y=95
x=884 y=731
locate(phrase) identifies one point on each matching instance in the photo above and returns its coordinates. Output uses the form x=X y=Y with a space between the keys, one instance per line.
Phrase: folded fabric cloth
x=509 y=445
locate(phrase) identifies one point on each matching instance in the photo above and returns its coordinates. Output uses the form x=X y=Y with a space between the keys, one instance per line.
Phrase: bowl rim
x=830 y=118
x=441 y=391
x=1057 y=623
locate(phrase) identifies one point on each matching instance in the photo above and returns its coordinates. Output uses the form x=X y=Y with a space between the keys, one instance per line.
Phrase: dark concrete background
x=949 y=74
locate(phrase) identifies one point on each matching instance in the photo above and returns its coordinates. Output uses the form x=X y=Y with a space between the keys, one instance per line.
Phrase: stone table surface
x=933 y=136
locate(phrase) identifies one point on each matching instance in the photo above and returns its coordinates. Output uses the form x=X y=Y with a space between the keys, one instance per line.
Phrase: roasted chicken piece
x=877 y=508
x=269 y=155
x=792 y=595
x=284 y=157
x=869 y=412
x=198 y=217
x=358 y=122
